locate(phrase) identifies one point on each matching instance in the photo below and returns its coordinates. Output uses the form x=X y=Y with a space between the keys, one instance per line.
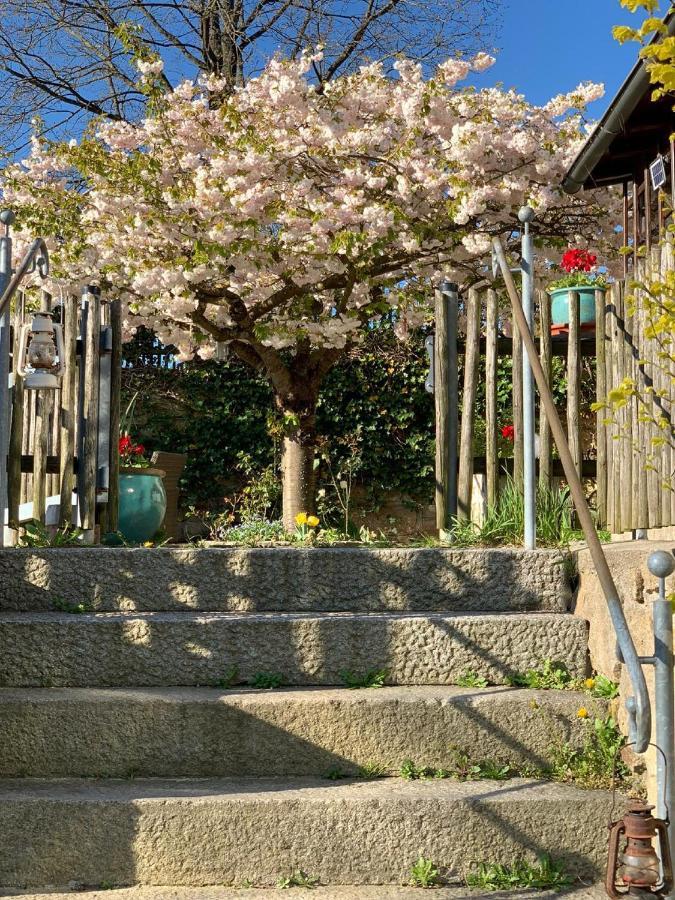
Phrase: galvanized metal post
x=526 y=215
x=638 y=706
x=661 y=564
x=450 y=292
x=6 y=220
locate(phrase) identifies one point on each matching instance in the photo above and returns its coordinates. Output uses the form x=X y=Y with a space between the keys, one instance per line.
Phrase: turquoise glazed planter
x=560 y=309
x=142 y=504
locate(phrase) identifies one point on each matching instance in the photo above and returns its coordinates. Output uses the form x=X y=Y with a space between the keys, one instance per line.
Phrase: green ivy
x=221 y=414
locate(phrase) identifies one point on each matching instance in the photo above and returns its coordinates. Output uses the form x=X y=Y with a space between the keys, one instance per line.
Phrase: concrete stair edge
x=337 y=892
x=223 y=831
x=162 y=649
x=80 y=732
x=280 y=578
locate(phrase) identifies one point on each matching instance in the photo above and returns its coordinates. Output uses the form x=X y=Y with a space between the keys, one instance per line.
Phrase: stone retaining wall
x=636 y=587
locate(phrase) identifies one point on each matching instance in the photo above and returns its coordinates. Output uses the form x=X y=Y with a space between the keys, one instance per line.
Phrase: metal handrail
x=36 y=257
x=638 y=706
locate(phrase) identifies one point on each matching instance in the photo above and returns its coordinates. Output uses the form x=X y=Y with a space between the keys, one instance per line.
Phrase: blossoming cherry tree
x=283 y=220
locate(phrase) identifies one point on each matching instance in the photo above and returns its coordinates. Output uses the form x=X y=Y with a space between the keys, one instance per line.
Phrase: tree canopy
x=68 y=60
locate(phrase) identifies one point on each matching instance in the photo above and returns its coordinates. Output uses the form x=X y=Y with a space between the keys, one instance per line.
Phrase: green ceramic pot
x=560 y=309
x=142 y=504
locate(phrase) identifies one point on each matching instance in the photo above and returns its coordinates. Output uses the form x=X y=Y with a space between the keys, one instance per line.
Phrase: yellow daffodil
x=312 y=521
x=582 y=713
x=301 y=519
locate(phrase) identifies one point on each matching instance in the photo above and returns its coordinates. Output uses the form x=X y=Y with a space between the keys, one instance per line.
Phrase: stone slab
x=164 y=732
x=283 y=579
x=165 y=649
x=222 y=832
x=362 y=892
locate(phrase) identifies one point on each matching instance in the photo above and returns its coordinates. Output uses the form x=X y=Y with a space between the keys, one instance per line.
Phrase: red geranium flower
x=128 y=450
x=508 y=432
x=577 y=260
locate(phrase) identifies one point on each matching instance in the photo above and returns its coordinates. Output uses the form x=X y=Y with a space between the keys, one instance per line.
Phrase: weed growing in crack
x=462 y=768
x=267 y=680
x=597 y=764
x=372 y=770
x=424 y=873
x=546 y=874
x=229 y=679
x=472 y=680
x=298 y=879
x=375 y=678
x=61 y=605
x=553 y=675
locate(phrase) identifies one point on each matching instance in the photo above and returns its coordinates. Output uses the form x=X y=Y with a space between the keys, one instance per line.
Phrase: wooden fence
x=635 y=484
x=633 y=472
x=63 y=458
x=482 y=345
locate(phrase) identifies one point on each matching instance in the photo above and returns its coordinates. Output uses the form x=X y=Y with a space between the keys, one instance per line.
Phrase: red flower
x=508 y=432
x=577 y=260
x=128 y=449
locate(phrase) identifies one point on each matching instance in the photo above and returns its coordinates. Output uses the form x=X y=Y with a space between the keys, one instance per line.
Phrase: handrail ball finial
x=661 y=563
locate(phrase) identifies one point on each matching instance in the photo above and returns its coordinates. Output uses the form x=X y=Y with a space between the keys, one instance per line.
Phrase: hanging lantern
x=637 y=866
x=40 y=362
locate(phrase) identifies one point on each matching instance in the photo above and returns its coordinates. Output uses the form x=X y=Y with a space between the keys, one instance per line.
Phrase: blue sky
x=548 y=46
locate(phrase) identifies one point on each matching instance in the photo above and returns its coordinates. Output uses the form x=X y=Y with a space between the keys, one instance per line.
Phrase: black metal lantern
x=637 y=865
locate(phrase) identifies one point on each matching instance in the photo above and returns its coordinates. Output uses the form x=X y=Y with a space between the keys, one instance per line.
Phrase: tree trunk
x=298 y=482
x=296 y=396
x=297 y=462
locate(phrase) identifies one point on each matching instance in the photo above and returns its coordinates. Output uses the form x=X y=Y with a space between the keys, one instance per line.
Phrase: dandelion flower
x=582 y=713
x=589 y=684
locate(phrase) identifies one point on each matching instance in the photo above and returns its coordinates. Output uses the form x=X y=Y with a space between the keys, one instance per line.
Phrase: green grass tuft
x=505 y=522
x=545 y=875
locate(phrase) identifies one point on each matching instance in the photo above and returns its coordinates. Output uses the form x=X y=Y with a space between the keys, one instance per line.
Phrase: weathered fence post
x=471 y=354
x=67 y=411
x=546 y=356
x=88 y=443
x=6 y=219
x=446 y=403
x=17 y=428
x=44 y=400
x=600 y=395
x=115 y=392
x=491 y=445
x=573 y=381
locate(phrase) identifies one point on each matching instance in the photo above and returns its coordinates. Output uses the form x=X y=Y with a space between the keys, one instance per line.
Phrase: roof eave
x=612 y=123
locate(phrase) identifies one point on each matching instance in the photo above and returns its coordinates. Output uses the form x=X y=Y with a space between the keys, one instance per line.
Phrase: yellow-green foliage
x=655 y=294
x=660 y=55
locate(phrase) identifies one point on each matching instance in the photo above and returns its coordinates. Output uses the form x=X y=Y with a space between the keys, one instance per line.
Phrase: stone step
x=362 y=892
x=164 y=732
x=223 y=832
x=164 y=649
x=348 y=579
